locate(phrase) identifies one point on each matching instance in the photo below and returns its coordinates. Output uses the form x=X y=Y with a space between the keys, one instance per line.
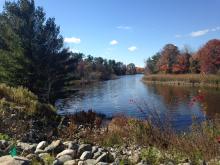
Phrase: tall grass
x=193 y=79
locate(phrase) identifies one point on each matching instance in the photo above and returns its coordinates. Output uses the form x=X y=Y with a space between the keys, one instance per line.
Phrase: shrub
x=21 y=113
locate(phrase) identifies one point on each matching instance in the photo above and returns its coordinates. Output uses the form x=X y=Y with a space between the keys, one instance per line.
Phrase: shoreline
x=190 y=80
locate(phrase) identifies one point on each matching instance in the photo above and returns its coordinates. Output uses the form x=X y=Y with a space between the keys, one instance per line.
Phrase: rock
x=101 y=149
x=114 y=155
x=62 y=159
x=105 y=157
x=71 y=162
x=94 y=149
x=170 y=163
x=97 y=154
x=42 y=155
x=41 y=145
x=27 y=147
x=86 y=155
x=8 y=160
x=32 y=156
x=3 y=144
x=84 y=147
x=102 y=163
x=90 y=162
x=81 y=163
x=70 y=152
x=71 y=145
x=39 y=151
x=56 y=146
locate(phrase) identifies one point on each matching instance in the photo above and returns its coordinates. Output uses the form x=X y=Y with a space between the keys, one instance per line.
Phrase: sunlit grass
x=202 y=79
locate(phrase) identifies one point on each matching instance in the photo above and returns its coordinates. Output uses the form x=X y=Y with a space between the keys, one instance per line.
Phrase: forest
x=173 y=61
x=33 y=55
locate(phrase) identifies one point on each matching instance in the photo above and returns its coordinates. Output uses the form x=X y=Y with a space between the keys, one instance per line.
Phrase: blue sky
x=133 y=30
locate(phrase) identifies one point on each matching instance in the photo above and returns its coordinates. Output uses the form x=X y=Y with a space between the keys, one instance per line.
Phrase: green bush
x=151 y=155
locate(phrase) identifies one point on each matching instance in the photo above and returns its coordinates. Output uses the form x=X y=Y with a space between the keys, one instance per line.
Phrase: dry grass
x=200 y=143
x=193 y=79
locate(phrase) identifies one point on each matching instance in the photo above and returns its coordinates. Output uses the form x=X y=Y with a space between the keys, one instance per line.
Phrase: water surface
x=129 y=96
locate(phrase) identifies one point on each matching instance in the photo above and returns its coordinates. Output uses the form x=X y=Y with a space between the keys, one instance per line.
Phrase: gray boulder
x=71 y=162
x=56 y=147
x=105 y=157
x=8 y=160
x=62 y=159
x=84 y=147
x=90 y=162
x=97 y=154
x=26 y=147
x=86 y=155
x=70 y=152
x=41 y=145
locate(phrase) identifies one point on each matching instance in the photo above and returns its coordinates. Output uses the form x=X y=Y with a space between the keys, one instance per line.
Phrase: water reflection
x=114 y=97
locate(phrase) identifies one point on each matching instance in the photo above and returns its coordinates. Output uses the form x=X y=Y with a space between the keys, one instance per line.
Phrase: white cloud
x=132 y=48
x=113 y=42
x=72 y=40
x=124 y=27
x=199 y=33
x=75 y=50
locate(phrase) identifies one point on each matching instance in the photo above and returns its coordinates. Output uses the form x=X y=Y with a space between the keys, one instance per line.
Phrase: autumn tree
x=182 y=63
x=168 y=58
x=209 y=56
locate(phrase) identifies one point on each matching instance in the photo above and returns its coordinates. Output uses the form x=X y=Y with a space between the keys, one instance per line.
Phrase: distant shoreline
x=192 y=80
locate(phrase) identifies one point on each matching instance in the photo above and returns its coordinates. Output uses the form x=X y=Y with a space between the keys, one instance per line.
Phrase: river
x=129 y=96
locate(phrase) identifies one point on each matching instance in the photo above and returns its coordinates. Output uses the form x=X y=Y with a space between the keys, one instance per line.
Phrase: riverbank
x=125 y=141
x=25 y=123
x=200 y=80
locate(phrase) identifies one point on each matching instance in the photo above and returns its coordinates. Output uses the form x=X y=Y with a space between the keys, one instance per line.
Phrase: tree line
x=171 y=60
x=32 y=53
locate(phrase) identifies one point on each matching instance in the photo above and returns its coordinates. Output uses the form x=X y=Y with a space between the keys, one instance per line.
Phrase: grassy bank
x=23 y=117
x=184 y=79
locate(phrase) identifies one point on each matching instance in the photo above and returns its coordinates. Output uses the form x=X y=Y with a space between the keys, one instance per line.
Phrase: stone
x=70 y=152
x=8 y=160
x=81 y=163
x=102 y=163
x=101 y=149
x=32 y=156
x=27 y=147
x=71 y=145
x=84 y=147
x=94 y=149
x=56 y=146
x=62 y=159
x=105 y=157
x=39 y=151
x=90 y=162
x=3 y=144
x=97 y=154
x=86 y=155
x=169 y=163
x=71 y=162
x=41 y=145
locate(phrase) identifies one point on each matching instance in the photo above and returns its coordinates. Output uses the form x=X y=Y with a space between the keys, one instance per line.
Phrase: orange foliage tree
x=209 y=56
